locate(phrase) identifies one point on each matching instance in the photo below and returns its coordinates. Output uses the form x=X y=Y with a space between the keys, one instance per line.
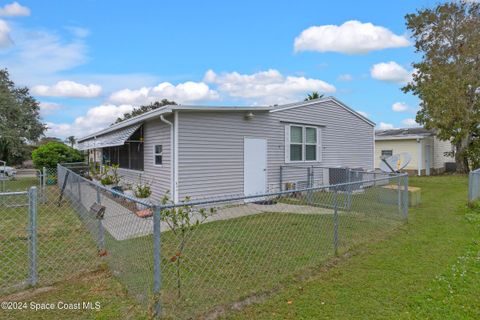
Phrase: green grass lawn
x=430 y=269
x=64 y=245
x=18 y=184
x=426 y=269
x=232 y=259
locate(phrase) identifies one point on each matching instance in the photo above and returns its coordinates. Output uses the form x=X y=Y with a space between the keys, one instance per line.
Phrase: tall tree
x=19 y=120
x=314 y=95
x=447 y=78
x=142 y=109
x=71 y=140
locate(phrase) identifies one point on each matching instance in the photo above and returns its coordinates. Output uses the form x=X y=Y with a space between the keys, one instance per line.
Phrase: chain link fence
x=473 y=185
x=43 y=238
x=199 y=258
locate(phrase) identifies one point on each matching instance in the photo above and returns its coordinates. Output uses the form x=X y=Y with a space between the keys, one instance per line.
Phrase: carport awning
x=112 y=139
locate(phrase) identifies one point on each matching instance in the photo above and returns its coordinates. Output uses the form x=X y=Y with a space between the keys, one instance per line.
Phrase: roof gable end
x=327 y=99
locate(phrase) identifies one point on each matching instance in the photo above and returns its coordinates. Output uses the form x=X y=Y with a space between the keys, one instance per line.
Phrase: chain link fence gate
x=18 y=240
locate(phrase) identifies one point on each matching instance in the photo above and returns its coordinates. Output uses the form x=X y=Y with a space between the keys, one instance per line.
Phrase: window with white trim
x=158 y=154
x=302 y=143
x=296 y=143
x=310 y=144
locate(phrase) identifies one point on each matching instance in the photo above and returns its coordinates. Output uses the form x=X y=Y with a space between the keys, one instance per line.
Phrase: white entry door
x=254 y=166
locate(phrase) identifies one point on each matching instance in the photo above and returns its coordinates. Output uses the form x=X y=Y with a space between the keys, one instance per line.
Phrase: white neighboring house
x=428 y=152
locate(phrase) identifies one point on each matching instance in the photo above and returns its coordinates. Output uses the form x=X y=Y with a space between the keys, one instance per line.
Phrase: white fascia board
x=399 y=138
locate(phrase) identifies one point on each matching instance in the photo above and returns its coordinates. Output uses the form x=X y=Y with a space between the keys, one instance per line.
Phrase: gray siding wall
x=155 y=132
x=210 y=145
x=439 y=157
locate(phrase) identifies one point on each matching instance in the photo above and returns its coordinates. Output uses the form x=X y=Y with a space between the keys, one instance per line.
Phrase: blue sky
x=90 y=61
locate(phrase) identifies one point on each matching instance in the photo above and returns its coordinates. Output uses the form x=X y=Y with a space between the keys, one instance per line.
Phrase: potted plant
x=128 y=190
x=113 y=171
x=142 y=193
x=110 y=178
x=107 y=181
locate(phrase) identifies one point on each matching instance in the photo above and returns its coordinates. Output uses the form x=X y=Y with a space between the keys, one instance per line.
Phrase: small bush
x=48 y=155
x=143 y=191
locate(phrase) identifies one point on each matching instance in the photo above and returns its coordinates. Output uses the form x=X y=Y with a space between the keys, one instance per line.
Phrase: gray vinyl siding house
x=216 y=151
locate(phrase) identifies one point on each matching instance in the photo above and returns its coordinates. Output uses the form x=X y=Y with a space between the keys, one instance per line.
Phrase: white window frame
x=304 y=144
x=155 y=154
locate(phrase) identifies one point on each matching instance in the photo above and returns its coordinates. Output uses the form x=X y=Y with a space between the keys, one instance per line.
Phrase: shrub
x=107 y=180
x=143 y=191
x=49 y=154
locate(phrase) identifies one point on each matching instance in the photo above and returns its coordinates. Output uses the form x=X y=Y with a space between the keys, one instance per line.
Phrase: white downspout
x=374 y=151
x=172 y=162
x=420 y=157
x=176 y=126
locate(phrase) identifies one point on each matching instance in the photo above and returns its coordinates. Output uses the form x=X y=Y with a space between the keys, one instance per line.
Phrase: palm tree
x=71 y=140
x=314 y=95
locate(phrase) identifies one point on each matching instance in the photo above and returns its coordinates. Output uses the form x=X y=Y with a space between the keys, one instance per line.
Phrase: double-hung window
x=158 y=154
x=296 y=143
x=302 y=143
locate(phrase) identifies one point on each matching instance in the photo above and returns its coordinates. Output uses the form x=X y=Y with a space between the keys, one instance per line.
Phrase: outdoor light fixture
x=249 y=116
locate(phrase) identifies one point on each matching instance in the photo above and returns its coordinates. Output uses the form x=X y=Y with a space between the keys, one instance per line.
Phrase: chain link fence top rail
x=473 y=185
x=195 y=258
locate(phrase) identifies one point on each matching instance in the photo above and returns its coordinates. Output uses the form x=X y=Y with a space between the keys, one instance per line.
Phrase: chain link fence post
x=335 y=220
x=399 y=194
x=32 y=230
x=405 y=197
x=157 y=276
x=101 y=230
x=79 y=182
x=349 y=189
x=309 y=185
x=281 y=179
x=43 y=186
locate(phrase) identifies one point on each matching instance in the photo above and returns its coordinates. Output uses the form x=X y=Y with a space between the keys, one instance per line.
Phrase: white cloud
x=400 y=107
x=37 y=55
x=5 y=40
x=352 y=37
x=345 y=77
x=14 y=9
x=385 y=126
x=266 y=87
x=95 y=119
x=78 y=31
x=49 y=107
x=410 y=122
x=186 y=92
x=390 y=72
x=68 y=89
